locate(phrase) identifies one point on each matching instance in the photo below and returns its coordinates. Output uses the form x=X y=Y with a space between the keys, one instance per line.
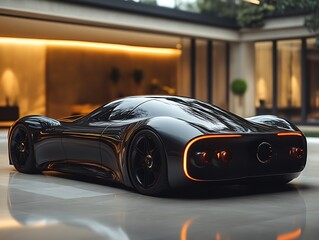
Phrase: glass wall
x=201 y=66
x=312 y=80
x=219 y=74
x=264 y=76
x=212 y=56
x=289 y=79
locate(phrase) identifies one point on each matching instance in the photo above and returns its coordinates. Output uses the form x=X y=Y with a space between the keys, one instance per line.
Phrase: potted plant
x=239 y=87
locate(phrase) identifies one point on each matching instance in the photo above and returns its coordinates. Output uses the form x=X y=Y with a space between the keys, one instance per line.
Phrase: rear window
x=195 y=112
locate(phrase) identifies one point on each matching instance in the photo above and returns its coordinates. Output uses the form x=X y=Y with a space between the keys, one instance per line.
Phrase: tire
x=148 y=164
x=21 y=151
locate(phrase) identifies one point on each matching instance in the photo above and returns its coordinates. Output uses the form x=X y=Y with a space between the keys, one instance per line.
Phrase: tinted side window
x=103 y=113
x=156 y=108
x=124 y=109
x=120 y=112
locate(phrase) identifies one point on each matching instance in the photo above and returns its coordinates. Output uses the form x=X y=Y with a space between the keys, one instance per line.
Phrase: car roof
x=159 y=97
x=194 y=112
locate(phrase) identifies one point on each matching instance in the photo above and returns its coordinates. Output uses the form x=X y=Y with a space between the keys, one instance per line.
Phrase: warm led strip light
x=197 y=139
x=96 y=45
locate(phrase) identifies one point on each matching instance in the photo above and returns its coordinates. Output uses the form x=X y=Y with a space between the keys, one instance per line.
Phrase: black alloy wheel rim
x=146 y=160
x=20 y=146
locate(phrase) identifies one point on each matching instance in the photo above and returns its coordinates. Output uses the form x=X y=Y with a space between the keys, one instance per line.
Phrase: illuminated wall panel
x=264 y=74
x=77 y=77
x=59 y=78
x=22 y=76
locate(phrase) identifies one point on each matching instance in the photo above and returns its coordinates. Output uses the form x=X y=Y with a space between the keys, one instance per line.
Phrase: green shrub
x=239 y=87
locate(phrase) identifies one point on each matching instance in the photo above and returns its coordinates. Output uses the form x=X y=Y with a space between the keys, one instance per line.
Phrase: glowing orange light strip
x=96 y=45
x=289 y=134
x=290 y=235
x=195 y=140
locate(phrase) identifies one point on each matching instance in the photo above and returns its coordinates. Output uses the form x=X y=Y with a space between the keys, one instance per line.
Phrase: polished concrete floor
x=58 y=206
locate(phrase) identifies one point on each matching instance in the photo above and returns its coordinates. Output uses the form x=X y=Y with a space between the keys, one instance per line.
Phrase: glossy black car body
x=153 y=142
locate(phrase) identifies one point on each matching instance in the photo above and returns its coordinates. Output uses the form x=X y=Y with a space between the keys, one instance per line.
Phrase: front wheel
x=147 y=163
x=21 y=152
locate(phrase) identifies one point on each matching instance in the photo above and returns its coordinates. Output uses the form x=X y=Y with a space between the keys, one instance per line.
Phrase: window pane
x=312 y=78
x=201 y=65
x=264 y=77
x=219 y=74
x=289 y=79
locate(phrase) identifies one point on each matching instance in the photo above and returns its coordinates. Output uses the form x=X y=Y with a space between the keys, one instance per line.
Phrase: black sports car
x=152 y=143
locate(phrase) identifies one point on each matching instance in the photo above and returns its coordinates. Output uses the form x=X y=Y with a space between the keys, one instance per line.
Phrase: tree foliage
x=226 y=8
x=253 y=15
x=250 y=15
x=311 y=21
x=246 y=14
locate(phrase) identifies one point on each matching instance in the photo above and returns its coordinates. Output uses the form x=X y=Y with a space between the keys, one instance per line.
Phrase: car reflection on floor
x=47 y=202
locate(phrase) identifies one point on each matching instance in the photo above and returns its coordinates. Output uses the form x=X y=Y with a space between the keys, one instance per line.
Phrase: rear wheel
x=147 y=163
x=21 y=150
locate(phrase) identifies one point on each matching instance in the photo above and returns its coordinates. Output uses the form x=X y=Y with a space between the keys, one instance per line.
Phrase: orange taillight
x=222 y=154
x=289 y=134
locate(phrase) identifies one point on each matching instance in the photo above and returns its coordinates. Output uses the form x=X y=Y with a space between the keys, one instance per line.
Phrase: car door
x=112 y=136
x=47 y=144
x=81 y=139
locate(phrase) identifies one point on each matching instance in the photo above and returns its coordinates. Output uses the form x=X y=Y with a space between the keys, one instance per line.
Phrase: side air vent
x=264 y=152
